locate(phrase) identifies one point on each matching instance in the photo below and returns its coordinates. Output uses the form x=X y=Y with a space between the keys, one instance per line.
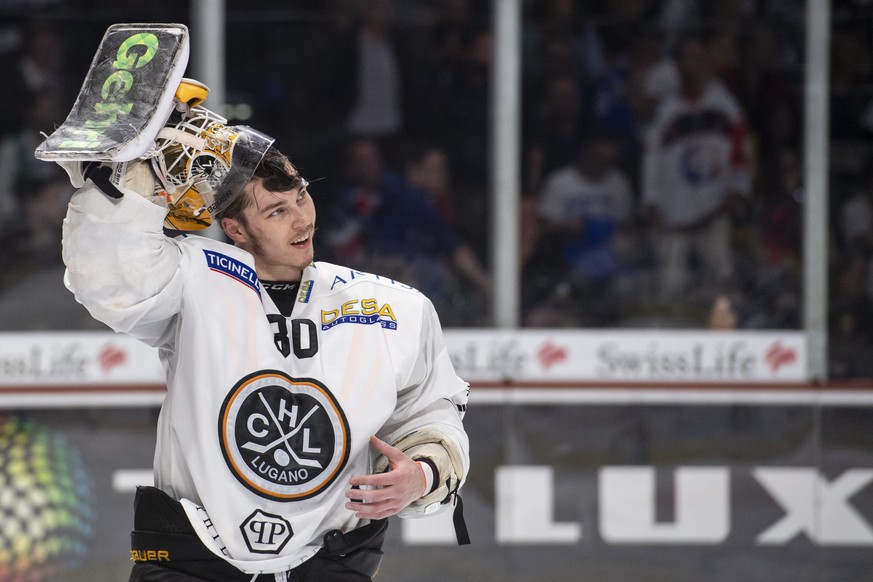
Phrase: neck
x=270 y=271
x=278 y=273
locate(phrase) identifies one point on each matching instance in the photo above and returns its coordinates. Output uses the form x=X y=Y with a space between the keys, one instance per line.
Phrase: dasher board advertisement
x=85 y=368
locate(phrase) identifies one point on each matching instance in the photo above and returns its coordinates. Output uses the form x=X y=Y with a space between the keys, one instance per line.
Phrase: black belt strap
x=337 y=543
x=359 y=549
x=460 y=524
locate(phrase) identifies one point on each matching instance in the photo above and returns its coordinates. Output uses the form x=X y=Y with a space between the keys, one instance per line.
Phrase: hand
x=393 y=490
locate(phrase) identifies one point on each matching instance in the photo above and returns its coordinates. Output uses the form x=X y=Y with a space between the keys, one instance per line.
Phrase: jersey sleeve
x=120 y=265
x=433 y=396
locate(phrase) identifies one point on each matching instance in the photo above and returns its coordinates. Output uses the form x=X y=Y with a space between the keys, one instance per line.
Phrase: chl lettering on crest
x=284 y=419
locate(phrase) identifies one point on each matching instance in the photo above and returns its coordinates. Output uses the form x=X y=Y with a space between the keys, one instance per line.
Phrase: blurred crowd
x=662 y=152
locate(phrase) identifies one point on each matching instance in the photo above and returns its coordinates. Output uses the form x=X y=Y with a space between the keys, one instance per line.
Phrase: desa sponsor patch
x=361 y=312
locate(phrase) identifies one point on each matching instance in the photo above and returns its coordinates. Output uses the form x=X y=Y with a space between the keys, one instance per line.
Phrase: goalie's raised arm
x=120 y=265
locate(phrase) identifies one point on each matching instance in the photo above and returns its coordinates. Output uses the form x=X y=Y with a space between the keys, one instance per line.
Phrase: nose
x=300 y=219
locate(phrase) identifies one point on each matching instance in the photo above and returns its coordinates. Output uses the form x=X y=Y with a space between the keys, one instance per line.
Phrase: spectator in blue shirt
x=381 y=223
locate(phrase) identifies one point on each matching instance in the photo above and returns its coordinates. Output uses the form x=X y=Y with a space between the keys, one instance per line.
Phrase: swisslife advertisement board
x=77 y=369
x=544 y=357
x=67 y=369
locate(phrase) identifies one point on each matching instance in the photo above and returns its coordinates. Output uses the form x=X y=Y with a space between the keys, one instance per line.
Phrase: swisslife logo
x=111 y=356
x=629 y=356
x=778 y=356
x=717 y=359
x=550 y=354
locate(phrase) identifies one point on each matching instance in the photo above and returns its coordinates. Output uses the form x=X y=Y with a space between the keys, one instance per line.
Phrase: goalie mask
x=203 y=165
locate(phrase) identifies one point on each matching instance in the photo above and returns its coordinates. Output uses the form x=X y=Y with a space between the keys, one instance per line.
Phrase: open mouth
x=302 y=241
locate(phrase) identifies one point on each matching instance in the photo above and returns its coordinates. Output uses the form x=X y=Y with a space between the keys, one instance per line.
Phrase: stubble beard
x=258 y=251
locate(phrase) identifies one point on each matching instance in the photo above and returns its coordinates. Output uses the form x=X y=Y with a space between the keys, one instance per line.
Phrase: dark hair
x=273 y=171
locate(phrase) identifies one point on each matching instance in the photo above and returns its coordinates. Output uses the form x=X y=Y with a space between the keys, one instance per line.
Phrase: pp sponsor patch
x=232 y=268
x=266 y=533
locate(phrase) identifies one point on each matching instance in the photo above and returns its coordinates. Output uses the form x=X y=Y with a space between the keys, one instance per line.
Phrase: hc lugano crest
x=283 y=438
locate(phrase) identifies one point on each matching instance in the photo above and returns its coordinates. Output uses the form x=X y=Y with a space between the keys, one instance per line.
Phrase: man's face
x=366 y=165
x=277 y=229
x=693 y=62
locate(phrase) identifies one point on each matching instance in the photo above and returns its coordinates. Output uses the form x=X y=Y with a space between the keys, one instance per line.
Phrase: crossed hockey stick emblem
x=281 y=455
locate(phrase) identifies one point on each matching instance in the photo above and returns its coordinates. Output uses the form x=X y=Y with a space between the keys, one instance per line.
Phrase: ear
x=234 y=230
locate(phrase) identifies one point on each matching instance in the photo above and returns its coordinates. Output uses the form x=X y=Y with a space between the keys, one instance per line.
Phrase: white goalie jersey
x=266 y=417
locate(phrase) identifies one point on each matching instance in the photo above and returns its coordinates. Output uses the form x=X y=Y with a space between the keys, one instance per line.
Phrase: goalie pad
x=445 y=458
x=126 y=98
